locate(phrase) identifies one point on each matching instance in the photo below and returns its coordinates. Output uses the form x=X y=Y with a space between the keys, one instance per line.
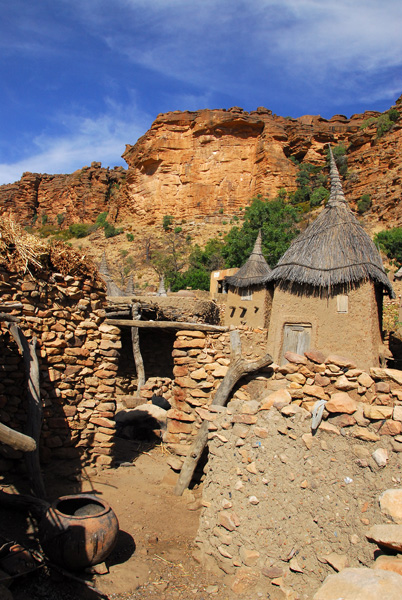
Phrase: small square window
x=342 y=302
x=246 y=293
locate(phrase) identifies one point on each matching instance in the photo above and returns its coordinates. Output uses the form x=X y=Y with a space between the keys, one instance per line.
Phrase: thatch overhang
x=255 y=270
x=334 y=251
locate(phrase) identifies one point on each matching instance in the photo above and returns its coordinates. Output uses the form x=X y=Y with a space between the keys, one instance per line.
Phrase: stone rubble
x=300 y=503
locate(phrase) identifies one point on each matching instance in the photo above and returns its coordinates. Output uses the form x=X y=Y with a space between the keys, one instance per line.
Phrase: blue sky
x=79 y=79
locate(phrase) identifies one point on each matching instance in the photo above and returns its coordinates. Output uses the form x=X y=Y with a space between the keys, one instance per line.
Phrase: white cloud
x=316 y=41
x=86 y=139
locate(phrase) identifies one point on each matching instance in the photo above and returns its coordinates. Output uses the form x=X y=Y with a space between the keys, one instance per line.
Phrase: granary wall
x=78 y=355
x=353 y=333
x=253 y=312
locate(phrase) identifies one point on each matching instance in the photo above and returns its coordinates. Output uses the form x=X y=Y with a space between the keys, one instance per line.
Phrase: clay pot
x=78 y=531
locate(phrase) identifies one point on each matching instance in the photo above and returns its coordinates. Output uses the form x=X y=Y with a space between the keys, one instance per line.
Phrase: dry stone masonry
x=78 y=356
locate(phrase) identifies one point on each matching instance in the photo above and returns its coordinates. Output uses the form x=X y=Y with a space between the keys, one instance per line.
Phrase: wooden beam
x=10 y=305
x=166 y=325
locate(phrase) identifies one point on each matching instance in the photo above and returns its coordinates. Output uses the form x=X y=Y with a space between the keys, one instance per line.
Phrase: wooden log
x=10 y=305
x=237 y=369
x=113 y=314
x=8 y=318
x=16 y=440
x=24 y=503
x=135 y=338
x=34 y=421
x=166 y=325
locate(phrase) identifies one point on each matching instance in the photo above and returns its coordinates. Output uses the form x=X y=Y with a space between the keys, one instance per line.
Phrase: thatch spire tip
x=336 y=194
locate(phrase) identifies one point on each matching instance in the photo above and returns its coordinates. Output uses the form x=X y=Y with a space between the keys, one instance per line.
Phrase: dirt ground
x=153 y=556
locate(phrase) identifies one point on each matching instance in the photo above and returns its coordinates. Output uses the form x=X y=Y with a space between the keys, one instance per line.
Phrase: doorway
x=296 y=338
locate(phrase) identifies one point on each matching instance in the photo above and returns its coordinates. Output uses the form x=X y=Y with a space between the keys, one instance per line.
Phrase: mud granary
x=326 y=292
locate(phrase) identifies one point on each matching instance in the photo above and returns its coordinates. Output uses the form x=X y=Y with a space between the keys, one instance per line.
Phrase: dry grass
x=23 y=252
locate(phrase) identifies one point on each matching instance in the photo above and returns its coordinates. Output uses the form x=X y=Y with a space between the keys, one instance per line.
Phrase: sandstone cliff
x=196 y=165
x=80 y=196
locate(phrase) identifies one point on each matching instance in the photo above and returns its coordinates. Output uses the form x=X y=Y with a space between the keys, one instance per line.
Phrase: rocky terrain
x=207 y=164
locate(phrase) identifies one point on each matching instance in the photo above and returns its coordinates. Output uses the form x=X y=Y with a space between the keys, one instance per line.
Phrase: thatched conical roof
x=111 y=288
x=130 y=286
x=255 y=270
x=334 y=250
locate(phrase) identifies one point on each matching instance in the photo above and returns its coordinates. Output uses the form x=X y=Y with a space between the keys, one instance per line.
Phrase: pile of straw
x=21 y=252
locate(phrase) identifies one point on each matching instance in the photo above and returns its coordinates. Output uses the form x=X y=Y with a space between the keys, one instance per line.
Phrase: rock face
x=204 y=163
x=78 y=197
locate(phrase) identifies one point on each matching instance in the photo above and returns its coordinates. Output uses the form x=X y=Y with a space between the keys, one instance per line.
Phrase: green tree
x=60 y=219
x=111 y=230
x=196 y=279
x=318 y=196
x=278 y=222
x=390 y=242
x=170 y=257
x=167 y=222
x=79 y=230
x=209 y=259
x=101 y=219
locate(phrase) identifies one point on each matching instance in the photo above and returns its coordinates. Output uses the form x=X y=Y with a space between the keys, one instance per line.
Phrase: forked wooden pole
x=34 y=421
x=135 y=338
x=237 y=369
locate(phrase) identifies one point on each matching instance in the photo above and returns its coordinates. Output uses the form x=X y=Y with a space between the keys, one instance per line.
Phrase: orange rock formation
x=199 y=164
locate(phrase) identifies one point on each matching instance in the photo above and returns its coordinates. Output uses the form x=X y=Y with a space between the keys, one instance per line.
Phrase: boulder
x=361 y=584
x=386 y=536
x=391 y=504
x=341 y=402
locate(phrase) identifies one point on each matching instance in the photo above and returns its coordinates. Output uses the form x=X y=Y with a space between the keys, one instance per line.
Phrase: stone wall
x=284 y=505
x=78 y=355
x=201 y=361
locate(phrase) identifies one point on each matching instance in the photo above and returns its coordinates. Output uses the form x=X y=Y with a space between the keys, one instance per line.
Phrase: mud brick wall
x=78 y=355
x=201 y=360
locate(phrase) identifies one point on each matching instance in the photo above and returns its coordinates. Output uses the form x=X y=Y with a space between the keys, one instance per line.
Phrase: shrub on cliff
x=167 y=222
x=80 y=230
x=111 y=230
x=384 y=122
x=364 y=203
x=341 y=160
x=318 y=196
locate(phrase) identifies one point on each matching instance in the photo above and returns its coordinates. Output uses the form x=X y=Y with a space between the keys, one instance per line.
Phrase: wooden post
x=135 y=338
x=237 y=369
x=34 y=424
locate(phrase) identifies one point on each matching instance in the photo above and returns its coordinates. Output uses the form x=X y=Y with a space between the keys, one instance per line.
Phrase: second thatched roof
x=255 y=270
x=334 y=250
